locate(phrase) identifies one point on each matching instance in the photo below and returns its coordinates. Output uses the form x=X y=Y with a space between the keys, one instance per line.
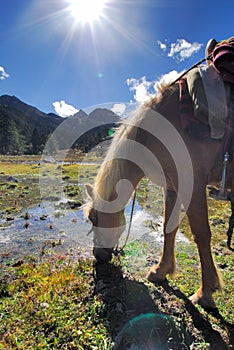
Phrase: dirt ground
x=126 y=298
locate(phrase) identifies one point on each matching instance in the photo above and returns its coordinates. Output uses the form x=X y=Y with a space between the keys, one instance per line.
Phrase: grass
x=58 y=303
x=139 y=256
x=51 y=305
x=24 y=191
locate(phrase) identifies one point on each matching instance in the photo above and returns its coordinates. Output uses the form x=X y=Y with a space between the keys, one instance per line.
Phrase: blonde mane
x=113 y=168
x=164 y=90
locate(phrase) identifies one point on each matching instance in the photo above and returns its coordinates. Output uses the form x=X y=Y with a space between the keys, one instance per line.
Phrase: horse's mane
x=112 y=169
x=164 y=90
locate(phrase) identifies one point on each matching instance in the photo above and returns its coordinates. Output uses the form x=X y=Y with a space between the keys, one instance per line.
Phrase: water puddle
x=55 y=225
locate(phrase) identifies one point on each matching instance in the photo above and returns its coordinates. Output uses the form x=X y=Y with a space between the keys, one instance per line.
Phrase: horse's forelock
x=86 y=209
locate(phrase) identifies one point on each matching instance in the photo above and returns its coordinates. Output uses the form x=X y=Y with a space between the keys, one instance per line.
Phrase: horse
x=152 y=143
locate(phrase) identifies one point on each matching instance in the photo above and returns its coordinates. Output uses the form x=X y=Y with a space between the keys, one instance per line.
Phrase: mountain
x=81 y=114
x=24 y=129
x=14 y=102
x=96 y=127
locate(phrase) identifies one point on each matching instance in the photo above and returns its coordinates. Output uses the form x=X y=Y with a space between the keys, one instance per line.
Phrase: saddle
x=210 y=98
x=206 y=92
x=207 y=110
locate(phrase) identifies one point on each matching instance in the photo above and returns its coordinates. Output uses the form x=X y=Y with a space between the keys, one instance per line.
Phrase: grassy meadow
x=55 y=302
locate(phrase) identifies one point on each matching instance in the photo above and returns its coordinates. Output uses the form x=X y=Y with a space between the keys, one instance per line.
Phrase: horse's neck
x=117 y=182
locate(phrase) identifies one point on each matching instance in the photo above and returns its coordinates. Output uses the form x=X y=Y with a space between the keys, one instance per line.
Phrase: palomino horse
x=153 y=144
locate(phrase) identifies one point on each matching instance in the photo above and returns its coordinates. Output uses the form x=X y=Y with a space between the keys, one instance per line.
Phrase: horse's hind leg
x=167 y=263
x=198 y=219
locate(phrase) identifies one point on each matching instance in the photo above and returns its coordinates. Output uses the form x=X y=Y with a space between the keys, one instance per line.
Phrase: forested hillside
x=25 y=129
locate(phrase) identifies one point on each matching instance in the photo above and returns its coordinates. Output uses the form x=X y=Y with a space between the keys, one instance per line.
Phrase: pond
x=54 y=226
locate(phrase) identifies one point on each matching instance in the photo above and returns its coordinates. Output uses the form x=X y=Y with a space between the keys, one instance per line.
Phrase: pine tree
x=4 y=121
x=36 y=142
x=15 y=140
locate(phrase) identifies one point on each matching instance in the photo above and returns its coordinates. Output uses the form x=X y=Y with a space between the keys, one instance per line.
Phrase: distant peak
x=11 y=100
x=81 y=114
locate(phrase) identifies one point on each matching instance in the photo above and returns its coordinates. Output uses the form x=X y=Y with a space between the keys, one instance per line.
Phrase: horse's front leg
x=198 y=219
x=167 y=262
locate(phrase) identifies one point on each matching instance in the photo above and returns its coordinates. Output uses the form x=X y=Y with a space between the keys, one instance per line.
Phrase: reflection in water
x=67 y=229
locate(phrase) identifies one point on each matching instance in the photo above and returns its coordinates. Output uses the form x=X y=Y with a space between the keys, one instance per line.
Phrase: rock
x=27 y=216
x=10 y=218
x=11 y=179
x=66 y=177
x=26 y=224
x=74 y=205
x=18 y=263
x=11 y=187
x=44 y=305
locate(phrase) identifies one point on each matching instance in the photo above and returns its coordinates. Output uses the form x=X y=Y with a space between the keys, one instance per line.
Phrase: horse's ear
x=89 y=190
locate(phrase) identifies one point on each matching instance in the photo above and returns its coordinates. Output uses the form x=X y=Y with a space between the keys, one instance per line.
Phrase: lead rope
x=208 y=58
x=231 y=220
x=230 y=228
x=120 y=251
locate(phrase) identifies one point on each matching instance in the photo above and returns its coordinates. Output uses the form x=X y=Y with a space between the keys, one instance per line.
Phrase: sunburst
x=86 y=11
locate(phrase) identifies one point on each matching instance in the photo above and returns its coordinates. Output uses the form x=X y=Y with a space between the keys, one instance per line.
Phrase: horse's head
x=107 y=228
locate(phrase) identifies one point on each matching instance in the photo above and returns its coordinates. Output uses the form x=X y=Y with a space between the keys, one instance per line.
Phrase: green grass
x=51 y=305
x=139 y=256
x=26 y=192
x=59 y=304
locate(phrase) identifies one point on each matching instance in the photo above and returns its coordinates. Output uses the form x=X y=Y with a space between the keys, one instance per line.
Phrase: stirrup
x=222 y=193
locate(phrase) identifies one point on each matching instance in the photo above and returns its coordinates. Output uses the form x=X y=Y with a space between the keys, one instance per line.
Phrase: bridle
x=120 y=250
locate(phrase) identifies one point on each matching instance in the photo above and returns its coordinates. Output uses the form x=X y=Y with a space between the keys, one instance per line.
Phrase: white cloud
x=162 y=45
x=119 y=108
x=141 y=87
x=63 y=109
x=3 y=73
x=167 y=79
x=182 y=49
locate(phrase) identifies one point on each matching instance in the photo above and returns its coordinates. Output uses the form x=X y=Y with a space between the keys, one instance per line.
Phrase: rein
x=118 y=250
x=208 y=58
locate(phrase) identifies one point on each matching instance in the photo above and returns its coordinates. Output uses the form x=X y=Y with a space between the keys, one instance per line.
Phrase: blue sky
x=55 y=61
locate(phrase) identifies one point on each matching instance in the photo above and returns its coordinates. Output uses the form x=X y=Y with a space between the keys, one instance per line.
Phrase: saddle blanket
x=192 y=125
x=210 y=98
x=201 y=127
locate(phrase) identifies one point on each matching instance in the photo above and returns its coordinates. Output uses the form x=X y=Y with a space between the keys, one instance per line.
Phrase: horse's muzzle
x=103 y=255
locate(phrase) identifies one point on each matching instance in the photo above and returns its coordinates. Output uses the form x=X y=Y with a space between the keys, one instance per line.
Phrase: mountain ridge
x=24 y=129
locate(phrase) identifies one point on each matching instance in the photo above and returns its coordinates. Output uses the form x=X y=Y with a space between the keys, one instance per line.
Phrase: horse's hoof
x=154 y=277
x=205 y=302
x=159 y=272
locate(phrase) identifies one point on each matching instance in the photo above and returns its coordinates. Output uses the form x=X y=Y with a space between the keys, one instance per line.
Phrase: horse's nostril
x=103 y=255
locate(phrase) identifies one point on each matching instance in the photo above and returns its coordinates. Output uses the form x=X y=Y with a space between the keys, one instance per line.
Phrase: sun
x=86 y=11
